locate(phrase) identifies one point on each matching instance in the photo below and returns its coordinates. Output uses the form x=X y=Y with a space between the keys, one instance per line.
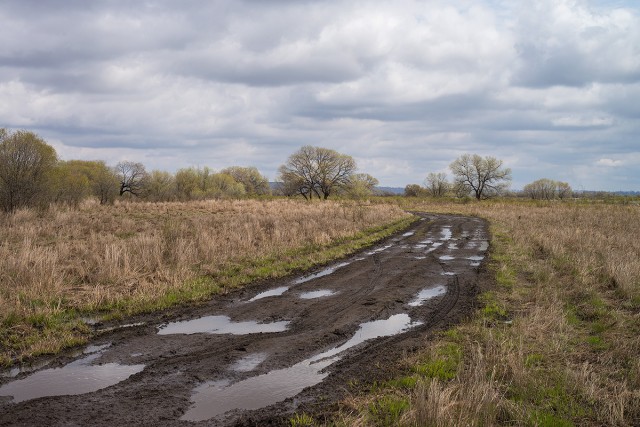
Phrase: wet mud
x=256 y=355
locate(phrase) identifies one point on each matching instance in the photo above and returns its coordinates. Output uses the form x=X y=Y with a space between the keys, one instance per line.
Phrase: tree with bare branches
x=132 y=176
x=317 y=171
x=437 y=184
x=484 y=177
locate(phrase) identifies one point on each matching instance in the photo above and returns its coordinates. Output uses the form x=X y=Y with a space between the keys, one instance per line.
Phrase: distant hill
x=392 y=190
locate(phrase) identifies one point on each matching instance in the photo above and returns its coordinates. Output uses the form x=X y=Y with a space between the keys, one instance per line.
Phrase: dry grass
x=557 y=341
x=126 y=257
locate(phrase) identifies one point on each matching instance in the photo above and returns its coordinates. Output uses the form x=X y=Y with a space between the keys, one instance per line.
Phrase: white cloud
x=609 y=162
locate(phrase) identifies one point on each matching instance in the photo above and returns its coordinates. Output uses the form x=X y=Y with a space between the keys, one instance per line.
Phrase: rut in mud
x=255 y=355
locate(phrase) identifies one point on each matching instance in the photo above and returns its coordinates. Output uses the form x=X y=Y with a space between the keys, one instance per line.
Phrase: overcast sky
x=552 y=87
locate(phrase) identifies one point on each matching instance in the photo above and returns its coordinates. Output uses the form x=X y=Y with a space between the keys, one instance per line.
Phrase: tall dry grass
x=558 y=341
x=96 y=256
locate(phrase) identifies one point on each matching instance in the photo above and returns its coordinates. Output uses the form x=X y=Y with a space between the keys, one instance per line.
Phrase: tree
x=132 y=176
x=254 y=183
x=547 y=189
x=414 y=190
x=360 y=185
x=68 y=184
x=26 y=163
x=159 y=186
x=482 y=177
x=437 y=184
x=317 y=171
x=75 y=180
x=203 y=183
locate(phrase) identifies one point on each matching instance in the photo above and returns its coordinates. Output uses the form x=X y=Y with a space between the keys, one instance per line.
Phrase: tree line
x=31 y=175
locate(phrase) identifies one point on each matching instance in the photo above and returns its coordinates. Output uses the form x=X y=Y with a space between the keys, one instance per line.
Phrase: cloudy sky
x=552 y=87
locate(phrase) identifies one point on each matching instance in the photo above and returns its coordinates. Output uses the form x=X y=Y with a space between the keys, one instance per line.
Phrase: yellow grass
x=558 y=341
x=121 y=257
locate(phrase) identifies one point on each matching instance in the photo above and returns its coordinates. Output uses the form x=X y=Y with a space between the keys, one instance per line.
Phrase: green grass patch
x=443 y=364
x=387 y=410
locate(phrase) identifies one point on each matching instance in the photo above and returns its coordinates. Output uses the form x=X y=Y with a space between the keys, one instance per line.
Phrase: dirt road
x=255 y=355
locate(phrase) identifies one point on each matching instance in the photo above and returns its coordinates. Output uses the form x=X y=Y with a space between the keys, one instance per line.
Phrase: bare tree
x=547 y=189
x=564 y=189
x=26 y=163
x=414 y=190
x=360 y=185
x=317 y=171
x=437 y=184
x=132 y=176
x=482 y=177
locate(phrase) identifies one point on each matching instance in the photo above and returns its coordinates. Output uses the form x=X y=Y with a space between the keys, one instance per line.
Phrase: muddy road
x=255 y=355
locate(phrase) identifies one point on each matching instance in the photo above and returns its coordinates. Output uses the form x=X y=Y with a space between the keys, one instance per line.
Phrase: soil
x=377 y=284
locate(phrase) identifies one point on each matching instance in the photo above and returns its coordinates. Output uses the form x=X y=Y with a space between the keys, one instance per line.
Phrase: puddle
x=316 y=294
x=475 y=258
x=420 y=257
x=446 y=233
x=77 y=377
x=448 y=273
x=271 y=293
x=95 y=348
x=375 y=251
x=221 y=325
x=321 y=273
x=452 y=246
x=14 y=372
x=427 y=294
x=475 y=264
x=215 y=398
x=446 y=257
x=249 y=362
x=91 y=321
x=409 y=233
x=484 y=245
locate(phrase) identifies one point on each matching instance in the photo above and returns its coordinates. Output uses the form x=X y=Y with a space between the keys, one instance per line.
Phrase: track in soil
x=254 y=356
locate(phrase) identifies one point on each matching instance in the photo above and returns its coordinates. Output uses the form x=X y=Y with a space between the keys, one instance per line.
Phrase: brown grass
x=557 y=341
x=119 y=258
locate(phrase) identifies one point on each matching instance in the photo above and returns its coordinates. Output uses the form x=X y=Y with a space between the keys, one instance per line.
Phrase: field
x=555 y=344
x=59 y=266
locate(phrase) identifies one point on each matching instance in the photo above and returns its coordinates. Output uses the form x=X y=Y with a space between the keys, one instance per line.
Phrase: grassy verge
x=556 y=341
x=113 y=262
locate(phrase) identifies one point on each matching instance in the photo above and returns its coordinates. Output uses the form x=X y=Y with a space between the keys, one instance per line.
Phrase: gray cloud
x=405 y=87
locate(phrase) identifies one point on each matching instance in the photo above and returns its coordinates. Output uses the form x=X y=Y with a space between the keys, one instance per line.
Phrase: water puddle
x=452 y=246
x=215 y=398
x=484 y=245
x=77 y=377
x=427 y=294
x=448 y=273
x=249 y=362
x=375 y=251
x=446 y=257
x=475 y=258
x=270 y=293
x=409 y=233
x=446 y=233
x=317 y=294
x=420 y=257
x=95 y=348
x=475 y=264
x=14 y=372
x=221 y=325
x=321 y=273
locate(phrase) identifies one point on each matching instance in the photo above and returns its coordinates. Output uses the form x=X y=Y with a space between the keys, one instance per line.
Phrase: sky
x=551 y=87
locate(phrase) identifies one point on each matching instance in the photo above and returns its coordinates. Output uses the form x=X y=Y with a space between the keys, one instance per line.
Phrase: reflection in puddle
x=475 y=258
x=452 y=246
x=448 y=273
x=484 y=245
x=221 y=325
x=446 y=233
x=409 y=233
x=446 y=257
x=420 y=257
x=270 y=293
x=14 y=372
x=375 y=251
x=321 y=273
x=215 y=398
x=316 y=294
x=427 y=294
x=475 y=264
x=77 y=377
x=96 y=348
x=249 y=362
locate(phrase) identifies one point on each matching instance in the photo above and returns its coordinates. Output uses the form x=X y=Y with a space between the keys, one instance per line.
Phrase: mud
x=256 y=355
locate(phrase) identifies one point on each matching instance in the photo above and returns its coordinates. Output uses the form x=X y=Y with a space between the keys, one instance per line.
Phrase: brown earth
x=378 y=285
